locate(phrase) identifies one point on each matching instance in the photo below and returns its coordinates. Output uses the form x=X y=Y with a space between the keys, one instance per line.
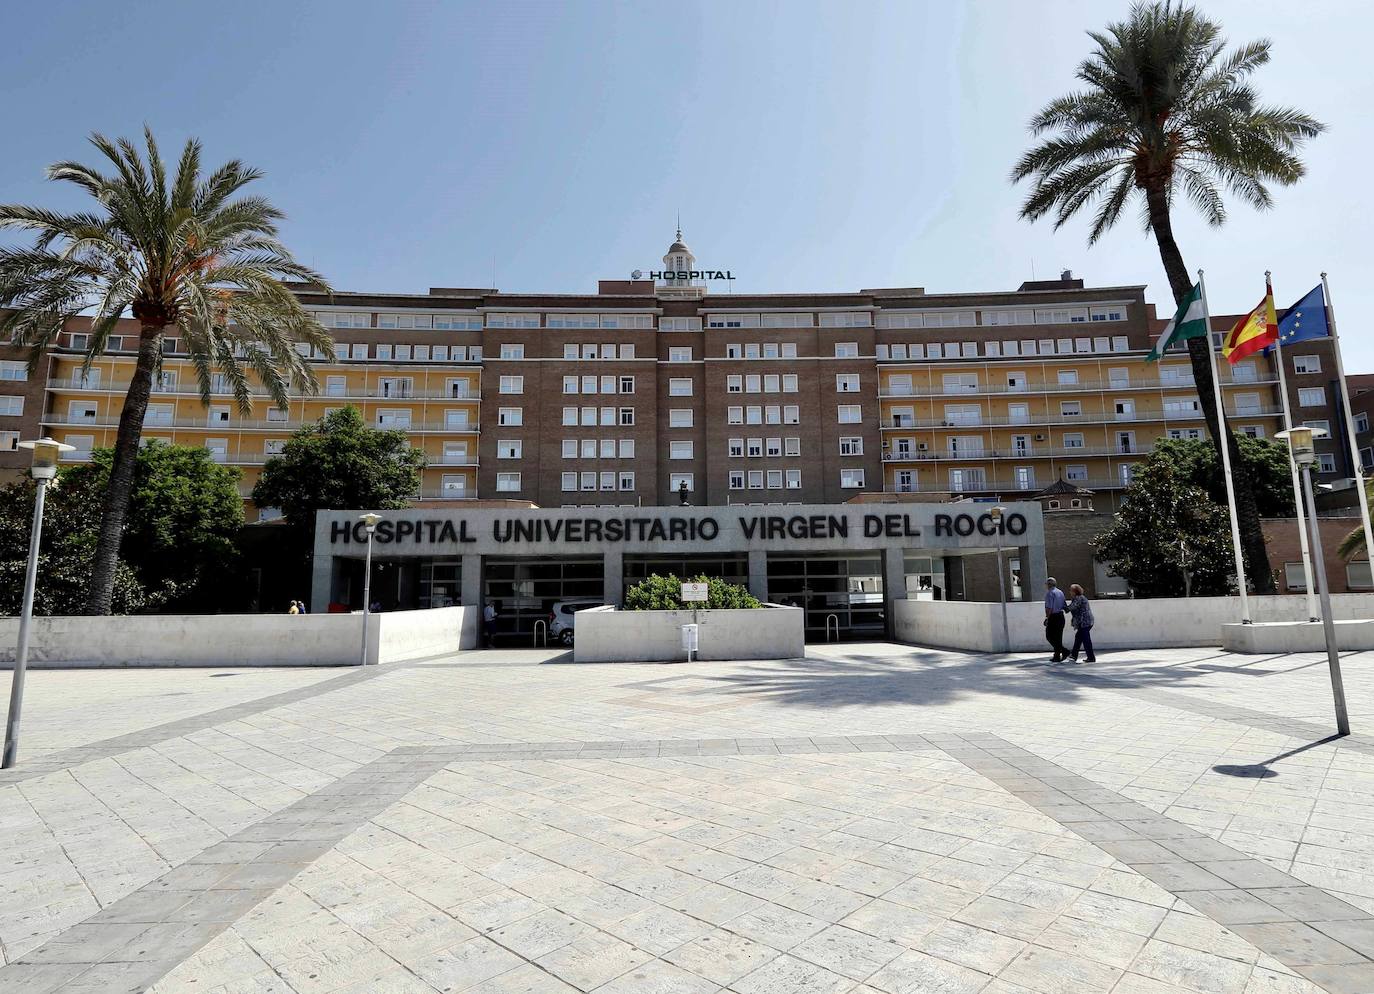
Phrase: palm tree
x=187 y=255
x=1353 y=544
x=1168 y=113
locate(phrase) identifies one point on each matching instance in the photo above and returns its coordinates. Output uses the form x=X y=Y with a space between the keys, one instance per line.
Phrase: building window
x=753 y=383
x=1073 y=440
x=1326 y=462
x=851 y=445
x=789 y=382
x=627 y=384
x=507 y=482
x=1362 y=422
x=680 y=353
x=791 y=446
x=14 y=370
x=756 y=479
x=793 y=479
x=570 y=384
x=1070 y=408
x=734 y=415
x=512 y=384
x=627 y=415
x=679 y=387
x=772 y=447
x=1114 y=312
x=753 y=447
x=1367 y=458
x=512 y=351
x=510 y=417
x=680 y=450
x=736 y=479
x=847 y=382
x=1312 y=397
x=587 y=481
x=1068 y=377
x=11 y=405
x=850 y=414
x=1321 y=424
x=1307 y=364
x=847 y=319
x=735 y=447
x=608 y=480
x=569 y=482
x=852 y=479
x=1077 y=472
x=775 y=479
x=846 y=350
x=9 y=441
x=627 y=481
x=509 y=448
x=753 y=415
x=680 y=417
x=791 y=414
x=734 y=383
x=676 y=481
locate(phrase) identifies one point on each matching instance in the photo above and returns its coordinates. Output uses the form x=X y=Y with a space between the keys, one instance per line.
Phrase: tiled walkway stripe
x=1268 y=908
x=130 y=944
x=105 y=748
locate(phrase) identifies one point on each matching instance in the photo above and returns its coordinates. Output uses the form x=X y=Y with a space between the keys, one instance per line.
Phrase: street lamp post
x=997 y=514
x=369 y=521
x=1305 y=455
x=44 y=469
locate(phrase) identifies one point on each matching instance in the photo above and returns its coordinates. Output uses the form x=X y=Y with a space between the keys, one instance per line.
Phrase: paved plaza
x=872 y=818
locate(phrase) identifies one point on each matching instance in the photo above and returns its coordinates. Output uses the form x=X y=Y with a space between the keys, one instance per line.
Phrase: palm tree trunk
x=1247 y=511
x=121 y=483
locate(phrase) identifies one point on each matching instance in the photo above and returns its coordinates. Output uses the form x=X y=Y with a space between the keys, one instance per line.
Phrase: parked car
x=562 y=617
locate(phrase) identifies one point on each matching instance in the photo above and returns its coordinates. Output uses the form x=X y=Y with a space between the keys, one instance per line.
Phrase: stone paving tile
x=893 y=813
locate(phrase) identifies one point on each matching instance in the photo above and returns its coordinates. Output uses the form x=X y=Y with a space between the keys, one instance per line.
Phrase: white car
x=562 y=616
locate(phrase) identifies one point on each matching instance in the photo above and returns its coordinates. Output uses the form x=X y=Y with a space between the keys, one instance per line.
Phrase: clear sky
x=808 y=146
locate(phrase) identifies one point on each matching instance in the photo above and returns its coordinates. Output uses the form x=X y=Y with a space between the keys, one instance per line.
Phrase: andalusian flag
x=1257 y=330
x=1189 y=322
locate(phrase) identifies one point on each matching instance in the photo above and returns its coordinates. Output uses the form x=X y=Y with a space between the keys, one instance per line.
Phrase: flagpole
x=1223 y=439
x=1349 y=426
x=1297 y=486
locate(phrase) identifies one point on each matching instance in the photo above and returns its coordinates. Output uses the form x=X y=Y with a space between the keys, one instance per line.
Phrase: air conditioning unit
x=1039 y=438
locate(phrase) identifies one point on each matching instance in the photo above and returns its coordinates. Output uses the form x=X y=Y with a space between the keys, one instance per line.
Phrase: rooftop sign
x=683 y=274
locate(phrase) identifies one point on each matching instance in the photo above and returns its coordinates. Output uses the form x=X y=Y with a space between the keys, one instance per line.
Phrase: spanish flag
x=1257 y=330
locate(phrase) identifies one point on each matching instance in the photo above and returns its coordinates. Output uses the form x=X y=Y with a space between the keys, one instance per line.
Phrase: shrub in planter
x=663 y=593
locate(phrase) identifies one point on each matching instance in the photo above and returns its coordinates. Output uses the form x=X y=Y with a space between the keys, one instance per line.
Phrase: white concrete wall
x=403 y=635
x=607 y=635
x=1303 y=636
x=238 y=639
x=1120 y=624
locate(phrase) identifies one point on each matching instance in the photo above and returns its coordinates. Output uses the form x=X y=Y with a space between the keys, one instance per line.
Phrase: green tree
x=338 y=462
x=1169 y=538
x=1196 y=464
x=181 y=532
x=64 y=560
x=180 y=547
x=1167 y=113
x=663 y=593
x=183 y=252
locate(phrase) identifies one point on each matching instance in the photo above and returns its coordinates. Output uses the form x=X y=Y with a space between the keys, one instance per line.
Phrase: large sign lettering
x=693 y=530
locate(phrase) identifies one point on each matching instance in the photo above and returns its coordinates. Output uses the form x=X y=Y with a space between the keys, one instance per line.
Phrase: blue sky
x=808 y=146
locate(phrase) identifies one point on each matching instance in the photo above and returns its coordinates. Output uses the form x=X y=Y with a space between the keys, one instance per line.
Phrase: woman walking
x=1081 y=613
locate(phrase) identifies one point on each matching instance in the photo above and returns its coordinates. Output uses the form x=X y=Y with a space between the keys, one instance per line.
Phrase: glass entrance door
x=841 y=593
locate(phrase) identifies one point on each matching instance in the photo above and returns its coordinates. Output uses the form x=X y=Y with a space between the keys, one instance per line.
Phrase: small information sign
x=693 y=592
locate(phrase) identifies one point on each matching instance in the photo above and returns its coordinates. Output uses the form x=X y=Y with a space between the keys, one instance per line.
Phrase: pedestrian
x=489 y=615
x=295 y=608
x=1082 y=613
x=1054 y=618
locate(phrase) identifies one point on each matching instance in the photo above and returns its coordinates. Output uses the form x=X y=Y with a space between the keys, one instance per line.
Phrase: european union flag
x=1305 y=320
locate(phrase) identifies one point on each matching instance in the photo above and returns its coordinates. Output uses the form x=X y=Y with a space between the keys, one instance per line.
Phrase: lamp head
x=46 y=452
x=997 y=512
x=369 y=521
x=1301 y=439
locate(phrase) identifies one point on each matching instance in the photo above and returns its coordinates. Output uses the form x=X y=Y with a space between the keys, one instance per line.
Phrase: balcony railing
x=1083 y=386
x=445 y=493
x=1001 y=487
x=1108 y=417
x=1030 y=452
x=350 y=393
x=246 y=424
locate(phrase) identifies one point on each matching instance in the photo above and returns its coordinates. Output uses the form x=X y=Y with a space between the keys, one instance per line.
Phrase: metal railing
x=1030 y=452
x=1105 y=417
x=246 y=424
x=1082 y=386
x=192 y=390
x=1002 y=487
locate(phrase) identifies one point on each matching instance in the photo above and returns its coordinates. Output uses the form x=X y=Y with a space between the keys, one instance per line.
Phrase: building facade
x=650 y=391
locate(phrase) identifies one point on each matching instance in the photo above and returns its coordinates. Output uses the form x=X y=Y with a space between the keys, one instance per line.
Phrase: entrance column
x=1033 y=570
x=471 y=597
x=322 y=572
x=758 y=574
x=894 y=584
x=613 y=577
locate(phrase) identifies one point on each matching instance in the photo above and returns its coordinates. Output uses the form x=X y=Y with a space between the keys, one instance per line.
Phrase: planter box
x=609 y=635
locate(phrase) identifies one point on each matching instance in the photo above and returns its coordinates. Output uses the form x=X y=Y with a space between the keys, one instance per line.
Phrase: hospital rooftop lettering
x=684 y=274
x=770 y=527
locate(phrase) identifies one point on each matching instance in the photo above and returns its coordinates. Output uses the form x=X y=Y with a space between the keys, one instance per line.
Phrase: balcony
x=1083 y=386
x=446 y=493
x=1001 y=488
x=1031 y=452
x=247 y=424
x=891 y=422
x=192 y=390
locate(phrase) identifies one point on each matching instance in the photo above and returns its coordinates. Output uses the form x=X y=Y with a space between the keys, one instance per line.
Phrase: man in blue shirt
x=1054 y=619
